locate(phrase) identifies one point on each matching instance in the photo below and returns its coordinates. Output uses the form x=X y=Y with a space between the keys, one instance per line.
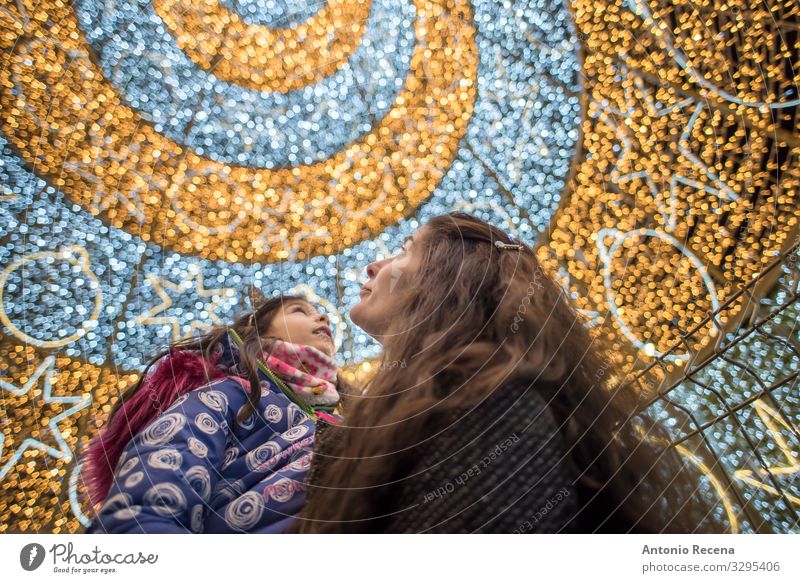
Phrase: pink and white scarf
x=308 y=371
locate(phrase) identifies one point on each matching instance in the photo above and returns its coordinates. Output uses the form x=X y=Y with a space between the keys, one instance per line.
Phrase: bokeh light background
x=157 y=157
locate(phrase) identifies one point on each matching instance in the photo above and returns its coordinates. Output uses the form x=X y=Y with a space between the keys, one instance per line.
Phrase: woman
x=218 y=437
x=493 y=409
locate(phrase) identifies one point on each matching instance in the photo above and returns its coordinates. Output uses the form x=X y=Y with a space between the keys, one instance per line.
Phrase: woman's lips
x=364 y=292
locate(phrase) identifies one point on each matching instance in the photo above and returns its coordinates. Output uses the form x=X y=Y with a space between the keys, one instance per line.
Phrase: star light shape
x=103 y=200
x=162 y=286
x=626 y=126
x=63 y=452
x=773 y=421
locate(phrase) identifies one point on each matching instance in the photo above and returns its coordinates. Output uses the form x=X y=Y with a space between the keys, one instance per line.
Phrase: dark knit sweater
x=498 y=468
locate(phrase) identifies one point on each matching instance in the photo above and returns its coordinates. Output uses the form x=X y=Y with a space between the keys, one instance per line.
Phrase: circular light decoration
x=183 y=151
x=347 y=196
x=686 y=188
x=70 y=294
x=270 y=58
x=157 y=157
x=210 y=183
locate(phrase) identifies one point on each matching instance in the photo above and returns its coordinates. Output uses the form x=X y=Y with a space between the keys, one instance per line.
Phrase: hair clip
x=501 y=245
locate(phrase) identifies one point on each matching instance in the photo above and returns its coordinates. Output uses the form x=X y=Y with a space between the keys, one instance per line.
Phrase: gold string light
x=63 y=116
x=688 y=151
x=263 y=58
x=682 y=156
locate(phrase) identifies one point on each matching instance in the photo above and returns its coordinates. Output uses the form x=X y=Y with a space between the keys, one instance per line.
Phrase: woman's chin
x=364 y=323
x=357 y=314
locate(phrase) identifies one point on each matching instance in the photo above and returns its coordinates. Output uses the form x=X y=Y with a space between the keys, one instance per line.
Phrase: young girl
x=218 y=438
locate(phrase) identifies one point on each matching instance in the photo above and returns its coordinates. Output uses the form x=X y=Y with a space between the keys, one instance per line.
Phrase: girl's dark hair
x=468 y=320
x=249 y=326
x=135 y=408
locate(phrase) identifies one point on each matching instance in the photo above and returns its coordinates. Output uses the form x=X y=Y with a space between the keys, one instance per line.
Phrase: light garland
x=155 y=162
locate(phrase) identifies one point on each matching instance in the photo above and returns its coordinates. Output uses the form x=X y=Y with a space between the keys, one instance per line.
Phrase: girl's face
x=299 y=322
x=373 y=313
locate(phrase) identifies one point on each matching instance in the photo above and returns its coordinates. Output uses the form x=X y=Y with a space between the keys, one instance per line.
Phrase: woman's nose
x=373 y=268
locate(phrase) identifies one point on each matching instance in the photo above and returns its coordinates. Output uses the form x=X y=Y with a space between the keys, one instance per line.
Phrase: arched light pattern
x=155 y=163
x=685 y=188
x=150 y=165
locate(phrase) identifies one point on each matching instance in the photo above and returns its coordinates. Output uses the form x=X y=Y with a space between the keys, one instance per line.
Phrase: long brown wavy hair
x=471 y=318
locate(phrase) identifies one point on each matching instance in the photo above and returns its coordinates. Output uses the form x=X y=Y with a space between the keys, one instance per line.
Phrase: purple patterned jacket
x=194 y=469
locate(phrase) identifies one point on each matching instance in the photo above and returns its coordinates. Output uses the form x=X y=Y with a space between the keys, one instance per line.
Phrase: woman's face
x=299 y=322
x=374 y=311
